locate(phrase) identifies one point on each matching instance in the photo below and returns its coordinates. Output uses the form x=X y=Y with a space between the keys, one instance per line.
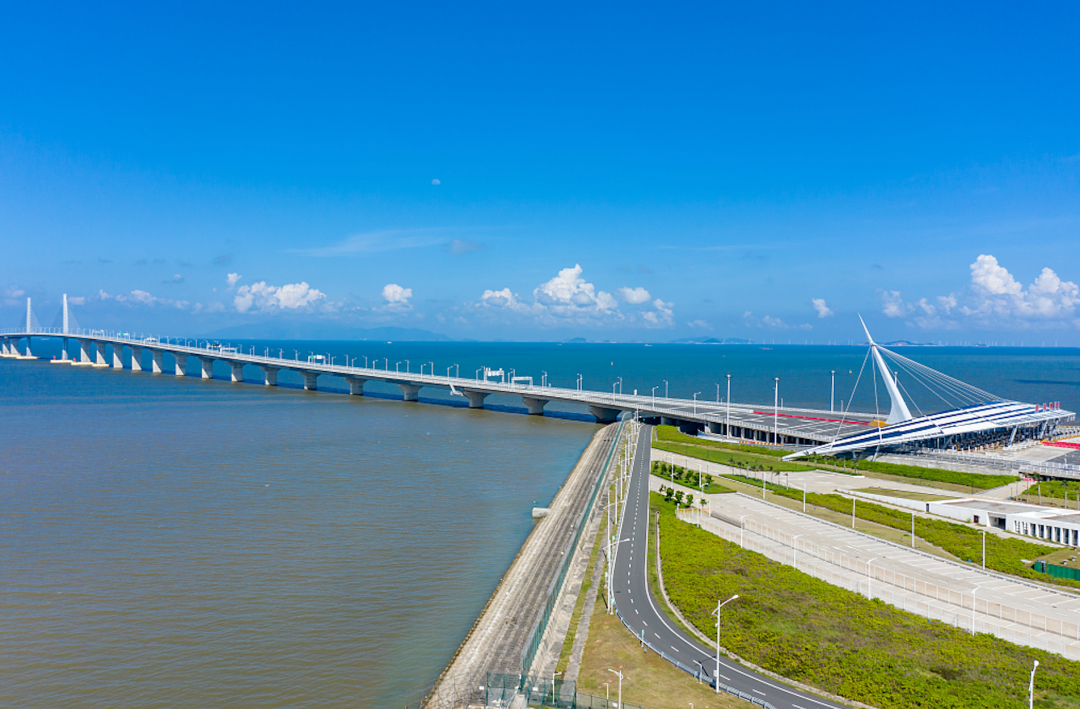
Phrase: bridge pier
x=604 y=414
x=714 y=428
x=83 y=356
x=180 y=367
x=270 y=376
x=29 y=354
x=99 y=355
x=136 y=358
x=476 y=398
x=117 y=360
x=535 y=406
x=207 y=367
x=4 y=349
x=157 y=361
x=311 y=381
x=668 y=421
x=411 y=391
x=356 y=385
x=237 y=371
x=64 y=350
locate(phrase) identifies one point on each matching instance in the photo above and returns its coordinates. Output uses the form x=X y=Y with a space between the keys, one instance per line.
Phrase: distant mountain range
x=320 y=331
x=711 y=341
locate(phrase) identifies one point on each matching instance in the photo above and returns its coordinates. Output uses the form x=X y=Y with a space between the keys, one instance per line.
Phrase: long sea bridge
x=776 y=425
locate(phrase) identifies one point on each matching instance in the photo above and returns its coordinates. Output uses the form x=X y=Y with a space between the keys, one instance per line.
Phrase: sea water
x=178 y=542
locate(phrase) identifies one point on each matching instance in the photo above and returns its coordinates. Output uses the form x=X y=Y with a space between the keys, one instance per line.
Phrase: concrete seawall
x=498 y=637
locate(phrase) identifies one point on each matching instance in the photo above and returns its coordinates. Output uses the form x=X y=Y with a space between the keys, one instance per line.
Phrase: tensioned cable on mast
x=942 y=385
x=844 y=411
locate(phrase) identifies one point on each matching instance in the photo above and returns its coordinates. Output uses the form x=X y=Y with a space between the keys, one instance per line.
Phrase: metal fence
x=962 y=610
x=502 y=689
x=536 y=636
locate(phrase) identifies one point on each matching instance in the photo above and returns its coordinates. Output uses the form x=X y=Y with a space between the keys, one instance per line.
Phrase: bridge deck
x=794 y=426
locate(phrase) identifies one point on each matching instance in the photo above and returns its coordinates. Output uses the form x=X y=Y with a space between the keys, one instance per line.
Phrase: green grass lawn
x=834 y=639
x=905 y=494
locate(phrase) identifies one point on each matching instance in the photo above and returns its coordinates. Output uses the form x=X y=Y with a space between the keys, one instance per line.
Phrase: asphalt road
x=642 y=612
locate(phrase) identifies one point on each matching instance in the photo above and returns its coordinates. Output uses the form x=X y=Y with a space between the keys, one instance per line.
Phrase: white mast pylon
x=899 y=412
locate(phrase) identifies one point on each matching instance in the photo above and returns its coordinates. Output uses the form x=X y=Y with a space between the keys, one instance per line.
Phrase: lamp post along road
x=619 y=675
x=719 y=605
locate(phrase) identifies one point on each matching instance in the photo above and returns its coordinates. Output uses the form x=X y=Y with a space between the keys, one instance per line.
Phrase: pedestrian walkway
x=1012 y=609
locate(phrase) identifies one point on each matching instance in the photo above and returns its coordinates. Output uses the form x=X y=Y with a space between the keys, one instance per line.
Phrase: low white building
x=1045 y=523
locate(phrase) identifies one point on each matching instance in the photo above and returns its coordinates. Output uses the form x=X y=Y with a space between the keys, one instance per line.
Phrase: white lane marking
x=674 y=648
x=636 y=611
x=645 y=624
x=759 y=692
x=729 y=679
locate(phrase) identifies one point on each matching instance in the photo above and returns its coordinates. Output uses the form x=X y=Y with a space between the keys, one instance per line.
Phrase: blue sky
x=612 y=171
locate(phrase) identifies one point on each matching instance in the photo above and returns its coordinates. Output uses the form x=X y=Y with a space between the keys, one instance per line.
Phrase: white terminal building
x=1045 y=523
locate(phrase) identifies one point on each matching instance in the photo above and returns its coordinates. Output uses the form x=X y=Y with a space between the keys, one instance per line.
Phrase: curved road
x=641 y=611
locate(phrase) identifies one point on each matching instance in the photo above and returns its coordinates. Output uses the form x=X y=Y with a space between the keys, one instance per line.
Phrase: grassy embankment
x=1054 y=493
x=762 y=458
x=963 y=542
x=834 y=639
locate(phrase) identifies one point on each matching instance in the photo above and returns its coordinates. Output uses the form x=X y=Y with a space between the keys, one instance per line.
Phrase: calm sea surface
x=171 y=542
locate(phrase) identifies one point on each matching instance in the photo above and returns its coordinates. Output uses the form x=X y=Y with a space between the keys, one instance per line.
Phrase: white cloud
x=377 y=241
x=463 y=246
x=77 y=300
x=232 y=278
x=11 y=293
x=263 y=297
x=699 y=324
x=634 y=296
x=663 y=316
x=436 y=181
x=770 y=321
x=822 y=309
x=994 y=298
x=568 y=294
x=396 y=295
x=208 y=308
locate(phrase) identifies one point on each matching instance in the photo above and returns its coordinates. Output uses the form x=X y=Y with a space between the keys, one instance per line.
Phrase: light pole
x=832 y=393
x=406 y=366
x=1031 y=686
x=695 y=402
x=619 y=674
x=543 y=379
x=795 y=550
x=718 y=393
x=776 y=412
x=727 y=423
x=620 y=386
x=554 y=701
x=742 y=527
x=654 y=395
x=869 y=578
x=665 y=388
x=607 y=692
x=580 y=379
x=720 y=605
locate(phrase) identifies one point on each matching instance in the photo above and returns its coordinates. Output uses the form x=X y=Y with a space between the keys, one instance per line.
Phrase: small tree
x=668 y=494
x=679 y=497
x=703 y=502
x=689 y=500
x=708 y=481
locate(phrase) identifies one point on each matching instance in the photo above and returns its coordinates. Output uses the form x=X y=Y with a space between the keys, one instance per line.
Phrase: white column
x=536 y=406
x=158 y=361
x=476 y=398
x=66 y=330
x=207 y=367
x=99 y=352
x=237 y=371
x=117 y=359
x=270 y=376
x=136 y=359
x=181 y=365
x=356 y=386
x=411 y=391
x=84 y=352
x=311 y=381
x=29 y=321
